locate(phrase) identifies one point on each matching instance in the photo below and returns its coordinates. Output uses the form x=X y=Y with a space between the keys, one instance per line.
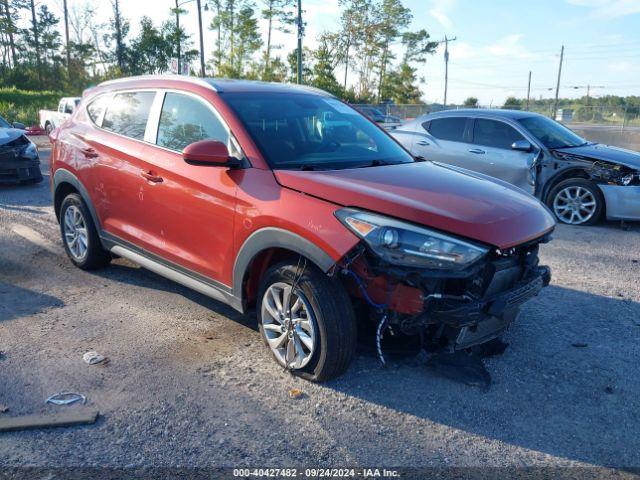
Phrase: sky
x=497 y=43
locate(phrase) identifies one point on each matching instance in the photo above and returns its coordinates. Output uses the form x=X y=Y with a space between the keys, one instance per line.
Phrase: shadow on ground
x=18 y=302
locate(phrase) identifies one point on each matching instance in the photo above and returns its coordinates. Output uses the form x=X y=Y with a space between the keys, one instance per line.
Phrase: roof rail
x=196 y=80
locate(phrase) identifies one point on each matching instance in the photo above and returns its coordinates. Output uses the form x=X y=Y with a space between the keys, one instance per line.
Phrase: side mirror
x=19 y=126
x=209 y=152
x=522 y=146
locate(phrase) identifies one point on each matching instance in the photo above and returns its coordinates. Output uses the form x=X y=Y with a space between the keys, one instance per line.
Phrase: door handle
x=476 y=150
x=89 y=152
x=151 y=177
x=423 y=143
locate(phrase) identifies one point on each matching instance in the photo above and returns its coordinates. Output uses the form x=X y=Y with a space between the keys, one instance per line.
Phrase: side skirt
x=167 y=270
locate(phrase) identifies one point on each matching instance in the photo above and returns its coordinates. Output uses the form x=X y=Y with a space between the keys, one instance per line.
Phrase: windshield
x=552 y=134
x=4 y=123
x=300 y=131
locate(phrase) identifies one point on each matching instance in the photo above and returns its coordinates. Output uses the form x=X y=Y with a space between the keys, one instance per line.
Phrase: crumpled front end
x=449 y=310
x=19 y=161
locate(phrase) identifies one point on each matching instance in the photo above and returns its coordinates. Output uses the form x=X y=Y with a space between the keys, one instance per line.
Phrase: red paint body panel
x=468 y=205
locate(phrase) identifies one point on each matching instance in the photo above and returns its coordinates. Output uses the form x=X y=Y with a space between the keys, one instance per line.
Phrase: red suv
x=286 y=199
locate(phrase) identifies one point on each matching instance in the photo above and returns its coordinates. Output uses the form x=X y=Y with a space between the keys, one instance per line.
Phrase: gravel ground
x=190 y=384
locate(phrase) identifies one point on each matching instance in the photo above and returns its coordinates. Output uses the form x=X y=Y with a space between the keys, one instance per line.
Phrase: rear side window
x=127 y=114
x=185 y=120
x=448 y=128
x=96 y=108
x=491 y=133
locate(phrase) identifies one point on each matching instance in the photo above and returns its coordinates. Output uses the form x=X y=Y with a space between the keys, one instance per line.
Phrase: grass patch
x=23 y=105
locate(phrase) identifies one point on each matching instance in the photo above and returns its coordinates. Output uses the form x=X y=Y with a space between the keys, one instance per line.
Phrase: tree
x=471 y=102
x=393 y=17
x=8 y=26
x=239 y=38
x=322 y=72
x=150 y=50
x=120 y=27
x=512 y=103
x=279 y=15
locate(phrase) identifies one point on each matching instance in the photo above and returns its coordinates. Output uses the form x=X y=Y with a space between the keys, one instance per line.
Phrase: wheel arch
x=266 y=247
x=64 y=183
x=573 y=172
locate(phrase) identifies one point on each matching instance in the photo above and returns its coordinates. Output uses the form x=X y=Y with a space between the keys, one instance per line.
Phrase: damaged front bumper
x=478 y=321
x=16 y=171
x=623 y=202
x=450 y=312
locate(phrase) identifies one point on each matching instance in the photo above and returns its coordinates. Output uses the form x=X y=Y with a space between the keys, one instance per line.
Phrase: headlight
x=627 y=179
x=402 y=243
x=31 y=151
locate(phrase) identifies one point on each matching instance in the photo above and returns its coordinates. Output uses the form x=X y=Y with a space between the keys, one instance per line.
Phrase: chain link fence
x=613 y=125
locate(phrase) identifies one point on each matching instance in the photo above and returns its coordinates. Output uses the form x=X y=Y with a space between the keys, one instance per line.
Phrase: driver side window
x=491 y=133
x=185 y=120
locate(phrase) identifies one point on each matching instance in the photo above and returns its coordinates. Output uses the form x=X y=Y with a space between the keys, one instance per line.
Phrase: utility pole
x=446 y=69
x=528 y=90
x=446 y=64
x=555 y=103
x=300 y=34
x=202 y=72
x=66 y=35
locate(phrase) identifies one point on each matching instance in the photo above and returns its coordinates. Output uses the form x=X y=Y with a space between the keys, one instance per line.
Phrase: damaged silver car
x=580 y=181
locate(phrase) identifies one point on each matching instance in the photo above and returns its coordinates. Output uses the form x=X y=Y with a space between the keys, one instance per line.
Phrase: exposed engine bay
x=601 y=171
x=449 y=311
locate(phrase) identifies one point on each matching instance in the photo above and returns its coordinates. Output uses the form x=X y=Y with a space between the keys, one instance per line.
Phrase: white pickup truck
x=50 y=119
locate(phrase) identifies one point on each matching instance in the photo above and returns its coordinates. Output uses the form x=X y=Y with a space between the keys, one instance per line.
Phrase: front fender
x=271 y=237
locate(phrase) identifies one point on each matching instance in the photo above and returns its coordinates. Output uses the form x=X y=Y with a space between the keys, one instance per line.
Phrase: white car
x=50 y=119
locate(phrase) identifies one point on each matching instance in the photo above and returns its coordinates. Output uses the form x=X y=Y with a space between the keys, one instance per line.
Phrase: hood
x=607 y=153
x=466 y=204
x=8 y=135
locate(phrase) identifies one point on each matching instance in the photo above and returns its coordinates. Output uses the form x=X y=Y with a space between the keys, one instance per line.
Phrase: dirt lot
x=190 y=384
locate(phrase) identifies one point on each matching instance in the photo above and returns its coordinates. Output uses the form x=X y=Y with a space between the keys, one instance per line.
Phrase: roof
x=483 y=112
x=216 y=84
x=233 y=85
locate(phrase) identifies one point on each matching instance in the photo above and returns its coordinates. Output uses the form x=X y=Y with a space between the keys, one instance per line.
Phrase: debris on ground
x=66 y=398
x=44 y=421
x=94 y=358
x=609 y=389
x=2 y=355
x=3 y=408
x=461 y=367
x=295 y=393
x=579 y=344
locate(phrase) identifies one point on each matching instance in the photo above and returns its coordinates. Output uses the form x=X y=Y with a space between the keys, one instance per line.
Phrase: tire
x=333 y=324
x=590 y=205
x=48 y=128
x=93 y=256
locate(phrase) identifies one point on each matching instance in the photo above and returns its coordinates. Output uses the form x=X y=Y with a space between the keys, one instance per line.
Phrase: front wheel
x=307 y=321
x=576 y=201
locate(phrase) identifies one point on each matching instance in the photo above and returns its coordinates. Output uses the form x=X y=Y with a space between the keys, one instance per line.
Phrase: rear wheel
x=307 y=321
x=79 y=234
x=576 y=201
x=48 y=128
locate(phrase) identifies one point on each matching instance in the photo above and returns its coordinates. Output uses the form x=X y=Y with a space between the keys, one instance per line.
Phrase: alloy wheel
x=574 y=205
x=75 y=233
x=290 y=332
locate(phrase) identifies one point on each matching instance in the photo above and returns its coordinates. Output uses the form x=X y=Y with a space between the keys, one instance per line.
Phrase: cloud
x=608 y=9
x=441 y=11
x=509 y=46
